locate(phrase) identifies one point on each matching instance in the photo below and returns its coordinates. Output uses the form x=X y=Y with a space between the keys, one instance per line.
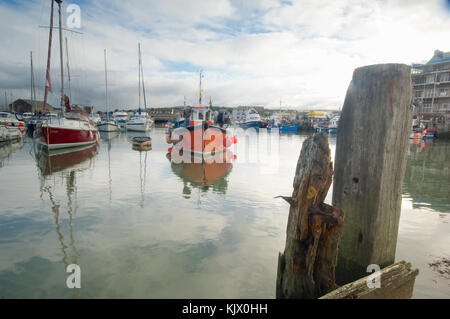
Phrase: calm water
x=142 y=227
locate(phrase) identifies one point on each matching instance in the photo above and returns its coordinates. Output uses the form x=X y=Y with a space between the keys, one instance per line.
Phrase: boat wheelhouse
x=252 y=119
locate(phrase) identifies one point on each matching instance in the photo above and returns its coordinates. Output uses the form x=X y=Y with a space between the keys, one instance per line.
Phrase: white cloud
x=253 y=52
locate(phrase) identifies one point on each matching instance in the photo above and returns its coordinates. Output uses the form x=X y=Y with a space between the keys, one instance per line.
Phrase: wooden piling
x=306 y=268
x=370 y=163
x=396 y=282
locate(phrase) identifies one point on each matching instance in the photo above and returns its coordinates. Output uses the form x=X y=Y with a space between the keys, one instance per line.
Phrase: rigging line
x=68 y=70
x=143 y=87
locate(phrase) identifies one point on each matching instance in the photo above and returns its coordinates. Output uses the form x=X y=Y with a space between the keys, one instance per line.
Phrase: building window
x=427 y=107
x=418 y=93
x=444 y=107
x=444 y=77
x=443 y=92
x=428 y=93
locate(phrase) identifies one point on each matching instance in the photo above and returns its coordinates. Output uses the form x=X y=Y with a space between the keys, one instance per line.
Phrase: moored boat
x=74 y=128
x=140 y=122
x=142 y=142
x=121 y=118
x=107 y=125
x=283 y=127
x=252 y=120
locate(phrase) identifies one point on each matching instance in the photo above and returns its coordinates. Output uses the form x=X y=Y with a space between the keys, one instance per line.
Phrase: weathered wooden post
x=306 y=268
x=370 y=163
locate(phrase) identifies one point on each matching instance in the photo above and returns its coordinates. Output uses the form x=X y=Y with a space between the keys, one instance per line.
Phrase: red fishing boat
x=74 y=128
x=196 y=135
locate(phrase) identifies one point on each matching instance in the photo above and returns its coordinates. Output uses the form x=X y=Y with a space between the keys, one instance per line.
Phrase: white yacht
x=139 y=123
x=121 y=118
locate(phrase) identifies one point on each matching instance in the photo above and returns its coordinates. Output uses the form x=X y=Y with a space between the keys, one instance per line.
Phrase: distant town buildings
x=24 y=106
x=431 y=91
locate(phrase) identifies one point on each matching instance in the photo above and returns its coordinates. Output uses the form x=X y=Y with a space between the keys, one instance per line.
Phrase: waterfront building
x=431 y=92
x=24 y=106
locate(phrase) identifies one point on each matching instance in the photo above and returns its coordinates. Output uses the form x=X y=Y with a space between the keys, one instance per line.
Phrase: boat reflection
x=107 y=136
x=53 y=161
x=63 y=164
x=8 y=149
x=211 y=173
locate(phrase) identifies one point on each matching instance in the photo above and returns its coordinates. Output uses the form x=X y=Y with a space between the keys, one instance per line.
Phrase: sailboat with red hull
x=75 y=128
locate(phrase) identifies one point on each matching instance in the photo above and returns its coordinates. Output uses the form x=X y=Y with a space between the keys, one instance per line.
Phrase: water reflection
x=427 y=175
x=7 y=149
x=53 y=161
x=211 y=173
x=65 y=162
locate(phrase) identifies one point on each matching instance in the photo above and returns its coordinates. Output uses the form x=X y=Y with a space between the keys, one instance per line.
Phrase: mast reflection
x=62 y=165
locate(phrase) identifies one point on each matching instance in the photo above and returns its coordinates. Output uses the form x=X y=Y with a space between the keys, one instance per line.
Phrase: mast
x=139 y=75
x=61 y=56
x=200 y=97
x=31 y=81
x=68 y=69
x=106 y=88
x=48 y=86
x=143 y=86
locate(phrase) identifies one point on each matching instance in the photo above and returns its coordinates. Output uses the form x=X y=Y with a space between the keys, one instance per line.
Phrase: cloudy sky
x=252 y=52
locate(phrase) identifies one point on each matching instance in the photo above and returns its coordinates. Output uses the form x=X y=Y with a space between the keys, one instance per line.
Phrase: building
x=24 y=106
x=431 y=92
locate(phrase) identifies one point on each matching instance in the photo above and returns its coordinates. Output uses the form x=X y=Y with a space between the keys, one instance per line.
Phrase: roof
x=316 y=113
x=439 y=57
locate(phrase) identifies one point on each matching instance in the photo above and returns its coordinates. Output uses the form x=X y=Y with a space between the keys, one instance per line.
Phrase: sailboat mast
x=31 y=81
x=61 y=56
x=48 y=86
x=143 y=86
x=139 y=74
x=106 y=88
x=33 y=85
x=68 y=69
x=200 y=97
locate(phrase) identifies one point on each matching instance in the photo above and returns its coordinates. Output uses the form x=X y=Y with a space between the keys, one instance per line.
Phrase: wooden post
x=396 y=282
x=307 y=266
x=371 y=151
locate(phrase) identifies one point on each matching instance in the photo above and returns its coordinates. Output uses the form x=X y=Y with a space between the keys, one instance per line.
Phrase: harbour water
x=141 y=227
